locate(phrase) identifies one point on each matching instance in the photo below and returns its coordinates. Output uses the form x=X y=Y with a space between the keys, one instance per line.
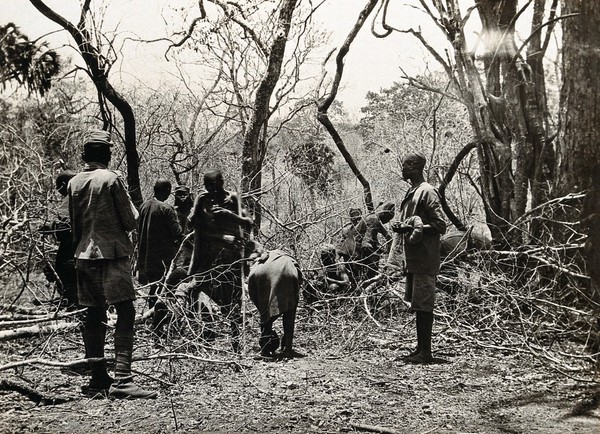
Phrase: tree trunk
x=537 y=115
x=579 y=147
x=254 y=148
x=493 y=154
x=99 y=76
x=517 y=112
x=327 y=100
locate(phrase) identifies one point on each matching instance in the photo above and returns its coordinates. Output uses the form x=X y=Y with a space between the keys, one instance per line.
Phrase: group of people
x=206 y=243
x=416 y=233
x=355 y=258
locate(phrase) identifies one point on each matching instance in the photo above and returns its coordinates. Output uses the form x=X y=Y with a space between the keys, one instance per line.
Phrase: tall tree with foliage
x=26 y=62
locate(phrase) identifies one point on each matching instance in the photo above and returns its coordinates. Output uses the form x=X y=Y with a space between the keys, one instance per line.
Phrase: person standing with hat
x=102 y=215
x=422 y=222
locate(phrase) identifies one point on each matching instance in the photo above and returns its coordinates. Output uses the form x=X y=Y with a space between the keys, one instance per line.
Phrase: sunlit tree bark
x=580 y=96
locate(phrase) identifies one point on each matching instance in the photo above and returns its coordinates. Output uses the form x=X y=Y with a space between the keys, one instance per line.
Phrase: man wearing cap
x=102 y=215
x=159 y=237
x=422 y=222
x=219 y=224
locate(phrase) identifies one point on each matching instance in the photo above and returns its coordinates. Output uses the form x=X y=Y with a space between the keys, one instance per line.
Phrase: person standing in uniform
x=102 y=215
x=422 y=223
x=219 y=223
x=159 y=237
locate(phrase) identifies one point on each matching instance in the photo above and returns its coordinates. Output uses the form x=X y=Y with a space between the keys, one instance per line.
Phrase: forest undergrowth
x=500 y=340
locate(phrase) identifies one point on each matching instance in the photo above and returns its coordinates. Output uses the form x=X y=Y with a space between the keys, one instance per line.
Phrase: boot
x=100 y=382
x=269 y=342
x=123 y=386
x=424 y=330
x=289 y=319
x=287 y=350
x=415 y=352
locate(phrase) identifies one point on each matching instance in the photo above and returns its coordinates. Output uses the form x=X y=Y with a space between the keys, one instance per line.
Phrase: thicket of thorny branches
x=534 y=299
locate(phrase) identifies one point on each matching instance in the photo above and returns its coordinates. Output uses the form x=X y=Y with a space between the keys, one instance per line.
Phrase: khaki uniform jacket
x=101 y=213
x=424 y=257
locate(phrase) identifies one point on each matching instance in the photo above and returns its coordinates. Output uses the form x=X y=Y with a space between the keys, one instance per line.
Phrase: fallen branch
x=143 y=317
x=26 y=332
x=21 y=309
x=75 y=364
x=187 y=356
x=366 y=293
x=31 y=393
x=39 y=319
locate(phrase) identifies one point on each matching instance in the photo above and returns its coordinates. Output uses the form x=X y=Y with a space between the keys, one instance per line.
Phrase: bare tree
x=502 y=95
x=254 y=53
x=98 y=68
x=326 y=101
x=254 y=139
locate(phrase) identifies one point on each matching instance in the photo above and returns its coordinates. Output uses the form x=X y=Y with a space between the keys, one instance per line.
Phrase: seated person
x=332 y=277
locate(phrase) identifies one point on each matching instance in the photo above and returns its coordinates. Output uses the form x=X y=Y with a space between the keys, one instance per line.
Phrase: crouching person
x=274 y=288
x=330 y=280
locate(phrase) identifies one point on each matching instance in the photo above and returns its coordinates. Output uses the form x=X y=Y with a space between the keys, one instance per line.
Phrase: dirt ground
x=351 y=380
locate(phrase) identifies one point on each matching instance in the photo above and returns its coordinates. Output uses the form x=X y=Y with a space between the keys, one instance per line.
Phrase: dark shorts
x=104 y=281
x=420 y=292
